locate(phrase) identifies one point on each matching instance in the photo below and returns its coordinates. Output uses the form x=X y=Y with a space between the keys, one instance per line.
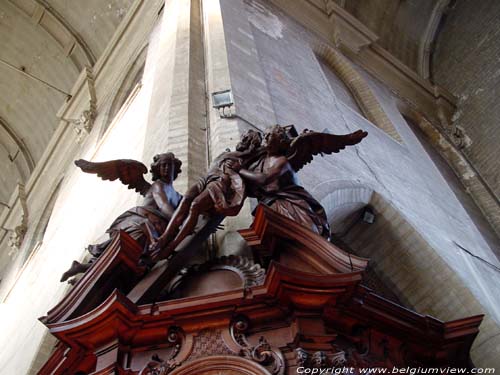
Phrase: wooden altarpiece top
x=300 y=305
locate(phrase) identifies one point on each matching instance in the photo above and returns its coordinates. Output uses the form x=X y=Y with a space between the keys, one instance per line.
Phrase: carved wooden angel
x=272 y=179
x=218 y=194
x=143 y=223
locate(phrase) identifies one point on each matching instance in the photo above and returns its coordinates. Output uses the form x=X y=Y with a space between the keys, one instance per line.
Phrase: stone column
x=177 y=114
x=223 y=132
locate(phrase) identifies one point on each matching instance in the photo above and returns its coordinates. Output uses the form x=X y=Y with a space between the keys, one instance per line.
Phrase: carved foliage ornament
x=262 y=353
x=159 y=366
x=320 y=359
x=17 y=235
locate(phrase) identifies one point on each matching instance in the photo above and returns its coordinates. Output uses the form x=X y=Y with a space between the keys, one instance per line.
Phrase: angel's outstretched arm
x=279 y=167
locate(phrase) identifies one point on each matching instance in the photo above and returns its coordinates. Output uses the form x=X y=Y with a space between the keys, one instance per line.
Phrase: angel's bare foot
x=75 y=269
x=165 y=253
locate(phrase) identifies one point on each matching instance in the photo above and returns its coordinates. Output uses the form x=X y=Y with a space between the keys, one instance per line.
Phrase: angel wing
x=129 y=172
x=310 y=143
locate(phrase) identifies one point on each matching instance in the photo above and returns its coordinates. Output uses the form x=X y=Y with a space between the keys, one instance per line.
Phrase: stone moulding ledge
x=359 y=88
x=360 y=45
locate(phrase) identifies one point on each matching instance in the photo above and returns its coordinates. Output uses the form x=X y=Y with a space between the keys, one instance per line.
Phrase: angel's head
x=165 y=167
x=250 y=140
x=276 y=139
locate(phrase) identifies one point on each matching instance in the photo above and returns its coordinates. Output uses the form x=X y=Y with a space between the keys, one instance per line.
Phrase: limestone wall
x=80 y=206
x=466 y=62
x=270 y=62
x=275 y=74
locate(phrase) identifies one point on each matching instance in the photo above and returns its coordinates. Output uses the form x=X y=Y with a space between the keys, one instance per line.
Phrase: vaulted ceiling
x=406 y=28
x=51 y=40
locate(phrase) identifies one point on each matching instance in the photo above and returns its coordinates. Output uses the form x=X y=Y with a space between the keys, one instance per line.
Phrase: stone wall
x=289 y=80
x=269 y=62
x=466 y=62
x=80 y=206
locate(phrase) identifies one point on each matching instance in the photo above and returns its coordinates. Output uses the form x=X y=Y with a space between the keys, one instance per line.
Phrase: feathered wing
x=305 y=146
x=129 y=172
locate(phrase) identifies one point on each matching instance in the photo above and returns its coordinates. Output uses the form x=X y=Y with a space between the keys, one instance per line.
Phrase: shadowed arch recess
x=401 y=257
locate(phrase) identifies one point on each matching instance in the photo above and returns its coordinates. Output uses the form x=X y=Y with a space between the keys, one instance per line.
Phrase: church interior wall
x=402 y=172
x=268 y=61
x=404 y=262
x=466 y=61
x=82 y=210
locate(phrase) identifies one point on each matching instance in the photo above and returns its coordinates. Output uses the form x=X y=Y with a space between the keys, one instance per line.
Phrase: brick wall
x=467 y=62
x=292 y=86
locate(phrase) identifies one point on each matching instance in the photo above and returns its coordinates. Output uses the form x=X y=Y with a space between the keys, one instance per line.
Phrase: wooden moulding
x=273 y=236
x=319 y=308
x=118 y=265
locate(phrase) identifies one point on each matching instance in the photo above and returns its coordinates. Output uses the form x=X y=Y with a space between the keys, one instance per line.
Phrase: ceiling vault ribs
x=45 y=16
x=13 y=140
x=78 y=39
x=426 y=43
x=31 y=76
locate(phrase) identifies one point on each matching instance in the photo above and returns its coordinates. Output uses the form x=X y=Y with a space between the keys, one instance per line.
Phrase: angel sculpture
x=272 y=179
x=220 y=193
x=143 y=223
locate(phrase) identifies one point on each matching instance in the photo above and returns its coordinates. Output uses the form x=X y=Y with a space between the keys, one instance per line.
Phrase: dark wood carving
x=262 y=353
x=220 y=193
x=143 y=223
x=272 y=179
x=159 y=366
x=298 y=303
x=328 y=312
x=118 y=267
x=267 y=173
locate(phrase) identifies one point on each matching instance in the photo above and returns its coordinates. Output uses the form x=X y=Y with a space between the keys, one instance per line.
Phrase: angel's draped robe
x=136 y=222
x=292 y=200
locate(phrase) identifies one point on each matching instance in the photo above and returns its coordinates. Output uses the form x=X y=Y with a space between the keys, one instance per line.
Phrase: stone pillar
x=176 y=120
x=223 y=132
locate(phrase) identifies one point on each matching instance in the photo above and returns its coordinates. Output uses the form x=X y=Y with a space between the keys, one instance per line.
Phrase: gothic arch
x=60 y=31
x=22 y=156
x=426 y=44
x=358 y=87
x=41 y=223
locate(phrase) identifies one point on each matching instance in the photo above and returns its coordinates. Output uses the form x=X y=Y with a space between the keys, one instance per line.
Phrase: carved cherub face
x=165 y=167
x=275 y=139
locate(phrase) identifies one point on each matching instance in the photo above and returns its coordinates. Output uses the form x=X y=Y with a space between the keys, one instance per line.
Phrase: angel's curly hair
x=255 y=137
x=282 y=132
x=155 y=165
x=253 y=140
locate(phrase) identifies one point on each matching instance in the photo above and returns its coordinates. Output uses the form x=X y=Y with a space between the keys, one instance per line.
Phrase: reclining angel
x=220 y=193
x=143 y=223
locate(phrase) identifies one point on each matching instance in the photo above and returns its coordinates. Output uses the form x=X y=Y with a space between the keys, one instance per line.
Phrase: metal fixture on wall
x=223 y=101
x=368 y=215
